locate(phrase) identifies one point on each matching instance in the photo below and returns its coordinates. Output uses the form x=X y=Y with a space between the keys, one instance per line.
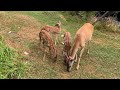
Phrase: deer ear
x=59 y=22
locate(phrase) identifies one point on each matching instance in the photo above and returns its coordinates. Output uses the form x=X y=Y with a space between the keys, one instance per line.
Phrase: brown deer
x=67 y=45
x=47 y=41
x=54 y=30
x=83 y=36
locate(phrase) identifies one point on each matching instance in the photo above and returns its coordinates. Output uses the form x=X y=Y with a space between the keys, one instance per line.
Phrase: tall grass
x=10 y=66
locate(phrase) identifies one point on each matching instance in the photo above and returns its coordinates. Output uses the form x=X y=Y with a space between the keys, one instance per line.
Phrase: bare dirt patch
x=12 y=43
x=30 y=21
x=29 y=33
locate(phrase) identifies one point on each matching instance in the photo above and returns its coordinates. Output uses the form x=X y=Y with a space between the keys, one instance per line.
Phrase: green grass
x=51 y=18
x=10 y=66
x=104 y=48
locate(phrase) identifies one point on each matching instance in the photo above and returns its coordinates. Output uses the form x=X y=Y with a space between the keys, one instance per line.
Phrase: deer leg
x=44 y=54
x=64 y=57
x=76 y=58
x=88 y=47
x=56 y=40
x=42 y=43
x=44 y=47
x=82 y=50
x=50 y=52
x=40 y=39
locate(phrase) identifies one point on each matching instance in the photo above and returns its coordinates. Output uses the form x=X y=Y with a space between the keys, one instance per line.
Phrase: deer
x=67 y=45
x=83 y=36
x=47 y=41
x=54 y=30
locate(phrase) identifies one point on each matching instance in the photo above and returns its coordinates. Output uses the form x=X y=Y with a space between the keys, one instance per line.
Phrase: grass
x=10 y=66
x=104 y=47
x=53 y=17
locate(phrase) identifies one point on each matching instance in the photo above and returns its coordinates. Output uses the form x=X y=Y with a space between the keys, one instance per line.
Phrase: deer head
x=58 y=24
x=69 y=62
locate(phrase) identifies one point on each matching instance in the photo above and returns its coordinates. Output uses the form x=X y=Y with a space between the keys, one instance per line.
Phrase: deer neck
x=74 y=50
x=58 y=27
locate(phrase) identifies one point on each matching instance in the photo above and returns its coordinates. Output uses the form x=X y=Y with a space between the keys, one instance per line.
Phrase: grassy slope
x=25 y=26
x=10 y=66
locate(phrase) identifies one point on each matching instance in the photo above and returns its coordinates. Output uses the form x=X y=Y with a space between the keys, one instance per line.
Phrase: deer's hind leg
x=45 y=50
x=88 y=48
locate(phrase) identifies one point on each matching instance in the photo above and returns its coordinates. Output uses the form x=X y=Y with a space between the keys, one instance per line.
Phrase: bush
x=108 y=25
x=83 y=15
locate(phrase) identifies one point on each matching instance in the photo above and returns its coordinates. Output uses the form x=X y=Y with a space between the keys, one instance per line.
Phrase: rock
x=62 y=35
x=18 y=27
x=26 y=53
x=9 y=31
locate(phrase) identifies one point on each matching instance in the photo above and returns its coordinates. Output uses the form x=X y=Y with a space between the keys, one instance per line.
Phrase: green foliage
x=84 y=16
x=10 y=66
x=108 y=26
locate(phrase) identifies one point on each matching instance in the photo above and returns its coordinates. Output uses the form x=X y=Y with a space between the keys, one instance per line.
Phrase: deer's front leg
x=82 y=50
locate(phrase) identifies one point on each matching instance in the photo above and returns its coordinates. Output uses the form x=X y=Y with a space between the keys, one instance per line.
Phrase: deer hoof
x=75 y=61
x=77 y=67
